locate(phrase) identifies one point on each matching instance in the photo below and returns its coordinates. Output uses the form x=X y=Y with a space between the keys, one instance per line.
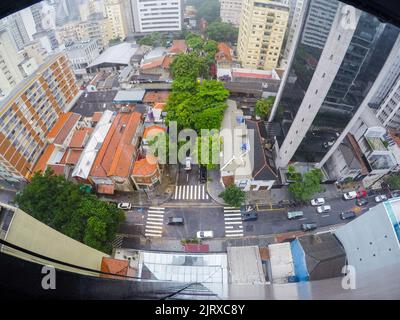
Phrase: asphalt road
x=212 y=218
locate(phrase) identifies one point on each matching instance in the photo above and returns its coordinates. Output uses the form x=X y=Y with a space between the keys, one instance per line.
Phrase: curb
x=212 y=197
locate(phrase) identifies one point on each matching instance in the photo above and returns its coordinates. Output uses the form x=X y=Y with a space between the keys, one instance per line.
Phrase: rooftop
x=66 y=129
x=153 y=130
x=127 y=96
x=118 y=54
x=145 y=167
x=60 y=123
x=41 y=164
x=154 y=54
x=178 y=46
x=156 y=96
x=224 y=52
x=91 y=102
x=116 y=154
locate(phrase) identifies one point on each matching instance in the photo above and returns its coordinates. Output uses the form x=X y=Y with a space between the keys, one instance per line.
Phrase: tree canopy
x=153 y=39
x=62 y=205
x=222 y=32
x=264 y=106
x=207 y=150
x=233 y=195
x=309 y=184
x=393 y=181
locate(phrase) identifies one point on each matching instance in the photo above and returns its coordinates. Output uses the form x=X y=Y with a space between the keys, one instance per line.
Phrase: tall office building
x=294 y=21
x=230 y=11
x=156 y=15
x=29 y=112
x=318 y=22
x=389 y=110
x=262 y=29
x=325 y=90
x=15 y=25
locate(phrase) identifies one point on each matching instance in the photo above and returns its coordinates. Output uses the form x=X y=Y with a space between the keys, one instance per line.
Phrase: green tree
x=222 y=32
x=305 y=188
x=208 y=10
x=210 y=47
x=195 y=41
x=153 y=39
x=186 y=66
x=207 y=149
x=233 y=195
x=393 y=181
x=264 y=106
x=62 y=205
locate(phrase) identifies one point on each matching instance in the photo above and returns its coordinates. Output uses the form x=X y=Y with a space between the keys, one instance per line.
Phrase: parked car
x=249 y=216
x=124 y=206
x=317 y=202
x=203 y=174
x=188 y=163
x=294 y=215
x=361 y=202
x=347 y=215
x=205 y=234
x=350 y=195
x=175 y=221
x=324 y=209
x=380 y=198
x=308 y=226
x=396 y=194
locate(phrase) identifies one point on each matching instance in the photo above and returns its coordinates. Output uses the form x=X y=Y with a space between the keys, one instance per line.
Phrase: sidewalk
x=214 y=186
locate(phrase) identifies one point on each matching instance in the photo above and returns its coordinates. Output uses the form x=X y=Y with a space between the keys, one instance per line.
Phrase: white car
x=324 y=209
x=380 y=198
x=317 y=202
x=205 y=234
x=124 y=206
x=188 y=165
x=350 y=195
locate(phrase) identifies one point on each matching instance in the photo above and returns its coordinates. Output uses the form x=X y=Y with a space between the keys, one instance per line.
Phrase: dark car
x=175 y=220
x=361 y=202
x=203 y=174
x=249 y=216
x=396 y=194
x=308 y=226
x=347 y=215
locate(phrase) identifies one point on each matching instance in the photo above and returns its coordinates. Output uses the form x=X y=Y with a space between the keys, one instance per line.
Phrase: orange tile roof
x=72 y=156
x=167 y=62
x=154 y=96
x=116 y=153
x=153 y=64
x=59 y=169
x=58 y=125
x=145 y=167
x=160 y=105
x=96 y=116
x=41 y=164
x=153 y=130
x=224 y=52
x=79 y=137
x=114 y=266
x=178 y=46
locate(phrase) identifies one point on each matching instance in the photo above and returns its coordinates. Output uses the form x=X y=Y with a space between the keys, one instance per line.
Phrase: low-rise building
x=146 y=173
x=158 y=68
x=114 y=160
x=81 y=54
x=178 y=46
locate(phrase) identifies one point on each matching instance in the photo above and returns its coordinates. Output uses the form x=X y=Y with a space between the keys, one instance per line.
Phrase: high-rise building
x=29 y=112
x=15 y=25
x=325 y=90
x=10 y=74
x=318 y=22
x=231 y=11
x=294 y=21
x=116 y=25
x=37 y=15
x=389 y=110
x=156 y=15
x=261 y=32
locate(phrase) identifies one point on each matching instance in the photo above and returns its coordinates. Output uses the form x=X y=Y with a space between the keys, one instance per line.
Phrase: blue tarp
x=299 y=261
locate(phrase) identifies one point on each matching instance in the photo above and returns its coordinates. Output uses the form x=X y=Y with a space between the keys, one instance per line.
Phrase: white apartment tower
x=293 y=24
x=231 y=11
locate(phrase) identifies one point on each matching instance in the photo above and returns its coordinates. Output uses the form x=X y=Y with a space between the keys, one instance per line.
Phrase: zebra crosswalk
x=154 y=222
x=117 y=242
x=190 y=192
x=233 y=222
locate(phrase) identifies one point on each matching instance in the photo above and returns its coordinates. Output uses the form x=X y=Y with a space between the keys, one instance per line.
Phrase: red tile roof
x=105 y=188
x=116 y=154
x=167 y=62
x=154 y=96
x=251 y=75
x=58 y=125
x=66 y=128
x=153 y=130
x=59 y=169
x=72 y=156
x=96 y=116
x=178 y=46
x=224 y=52
x=114 y=266
x=145 y=167
x=41 y=164
x=160 y=105
x=153 y=64
x=80 y=137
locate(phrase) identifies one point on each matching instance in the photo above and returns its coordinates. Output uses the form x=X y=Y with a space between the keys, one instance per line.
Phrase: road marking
x=154 y=227
x=234 y=231
x=234 y=235
x=228 y=227
x=156 y=219
x=152 y=235
x=233 y=222
x=227 y=211
x=302 y=219
x=324 y=216
x=190 y=192
x=154 y=222
x=176 y=193
x=232 y=214
x=155 y=215
x=156 y=208
x=230 y=208
x=234 y=218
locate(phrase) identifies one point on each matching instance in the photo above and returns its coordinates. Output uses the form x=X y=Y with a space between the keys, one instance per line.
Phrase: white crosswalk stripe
x=190 y=192
x=154 y=222
x=233 y=222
